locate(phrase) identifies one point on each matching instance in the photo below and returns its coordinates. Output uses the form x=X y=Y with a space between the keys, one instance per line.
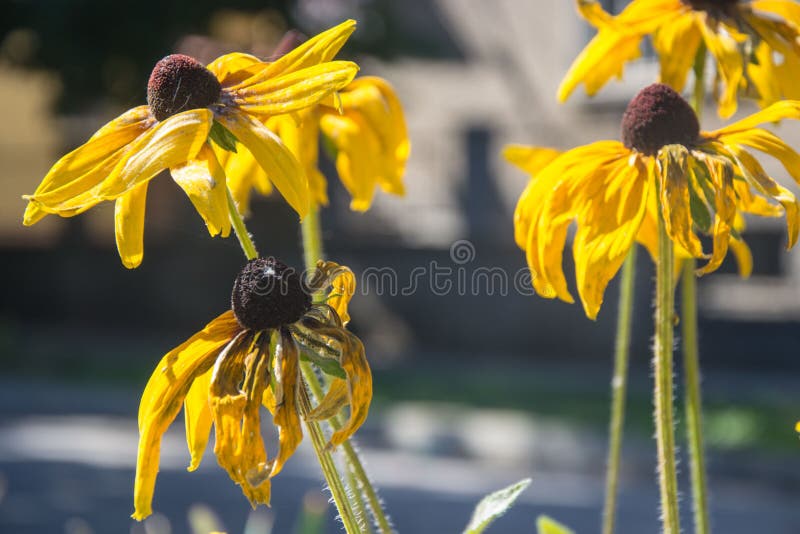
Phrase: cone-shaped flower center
x=656 y=117
x=711 y=5
x=268 y=294
x=180 y=83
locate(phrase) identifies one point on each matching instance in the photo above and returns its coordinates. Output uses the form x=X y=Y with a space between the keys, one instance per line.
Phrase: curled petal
x=673 y=186
x=331 y=404
x=342 y=282
x=203 y=181
x=164 y=395
x=286 y=415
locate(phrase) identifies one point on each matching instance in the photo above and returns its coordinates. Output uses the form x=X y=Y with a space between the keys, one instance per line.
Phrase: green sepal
x=329 y=366
x=223 y=137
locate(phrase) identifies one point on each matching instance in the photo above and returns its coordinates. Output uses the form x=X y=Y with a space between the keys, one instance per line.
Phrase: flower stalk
x=619 y=388
x=328 y=466
x=311 y=230
x=691 y=361
x=662 y=391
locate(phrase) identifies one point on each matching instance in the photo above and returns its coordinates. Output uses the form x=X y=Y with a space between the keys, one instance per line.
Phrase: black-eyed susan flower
x=700 y=182
x=365 y=126
x=247 y=358
x=755 y=45
x=188 y=105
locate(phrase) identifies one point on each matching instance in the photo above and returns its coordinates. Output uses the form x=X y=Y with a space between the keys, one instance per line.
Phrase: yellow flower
x=188 y=106
x=364 y=124
x=755 y=45
x=698 y=181
x=248 y=357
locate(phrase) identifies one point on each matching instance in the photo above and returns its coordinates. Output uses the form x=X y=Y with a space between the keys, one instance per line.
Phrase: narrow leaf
x=494 y=505
x=223 y=137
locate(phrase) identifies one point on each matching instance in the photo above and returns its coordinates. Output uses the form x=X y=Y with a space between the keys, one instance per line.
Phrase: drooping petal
x=129 y=212
x=676 y=44
x=280 y=165
x=238 y=446
x=754 y=173
x=768 y=143
x=164 y=395
x=356 y=160
x=335 y=399
x=198 y=420
x=730 y=65
x=295 y=90
x=203 y=181
x=88 y=165
x=342 y=283
x=744 y=258
x=286 y=415
x=243 y=174
x=607 y=230
x=673 y=186
x=300 y=133
x=319 y=49
x=170 y=143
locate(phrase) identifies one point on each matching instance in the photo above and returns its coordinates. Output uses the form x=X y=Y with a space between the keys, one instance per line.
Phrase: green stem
x=662 y=393
x=338 y=491
x=312 y=248
x=242 y=234
x=694 y=403
x=326 y=462
x=691 y=360
x=619 y=388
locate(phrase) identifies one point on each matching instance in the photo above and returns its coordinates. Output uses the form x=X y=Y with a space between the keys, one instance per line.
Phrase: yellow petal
x=243 y=173
x=286 y=416
x=170 y=143
x=234 y=68
x=673 y=181
x=759 y=179
x=129 y=226
x=334 y=400
x=342 y=284
x=280 y=165
x=197 y=414
x=529 y=158
x=238 y=445
x=786 y=109
x=163 y=396
x=676 y=44
x=203 y=181
x=607 y=230
x=357 y=158
x=319 y=49
x=744 y=258
x=88 y=165
x=300 y=133
x=730 y=66
x=295 y=90
x=771 y=144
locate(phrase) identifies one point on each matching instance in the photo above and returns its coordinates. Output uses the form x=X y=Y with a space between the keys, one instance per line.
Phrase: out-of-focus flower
x=699 y=182
x=755 y=45
x=248 y=357
x=189 y=105
x=364 y=125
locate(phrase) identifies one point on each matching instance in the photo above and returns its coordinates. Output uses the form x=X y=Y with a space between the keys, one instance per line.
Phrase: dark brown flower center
x=268 y=294
x=180 y=83
x=656 y=117
x=715 y=7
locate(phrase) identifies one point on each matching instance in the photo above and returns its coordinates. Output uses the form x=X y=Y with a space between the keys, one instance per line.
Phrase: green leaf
x=494 y=505
x=327 y=365
x=223 y=137
x=546 y=525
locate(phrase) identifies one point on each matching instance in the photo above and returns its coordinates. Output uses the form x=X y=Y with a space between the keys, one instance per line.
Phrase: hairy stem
x=312 y=249
x=328 y=466
x=691 y=360
x=662 y=392
x=619 y=388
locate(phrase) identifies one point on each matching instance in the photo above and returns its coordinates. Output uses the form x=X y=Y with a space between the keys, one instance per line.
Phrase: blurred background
x=474 y=390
